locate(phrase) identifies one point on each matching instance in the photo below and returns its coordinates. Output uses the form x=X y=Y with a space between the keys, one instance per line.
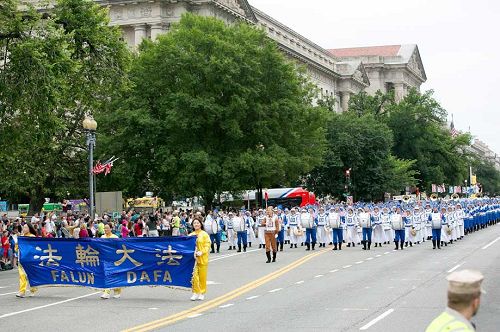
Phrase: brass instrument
x=434 y=197
x=406 y=198
x=455 y=197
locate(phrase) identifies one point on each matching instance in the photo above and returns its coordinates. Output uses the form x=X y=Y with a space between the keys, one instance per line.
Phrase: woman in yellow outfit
x=107 y=292
x=28 y=230
x=201 y=254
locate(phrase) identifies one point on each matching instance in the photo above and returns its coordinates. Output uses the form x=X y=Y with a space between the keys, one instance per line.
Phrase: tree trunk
x=36 y=201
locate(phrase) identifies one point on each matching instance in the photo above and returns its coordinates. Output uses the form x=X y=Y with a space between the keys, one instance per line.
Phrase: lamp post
x=466 y=190
x=90 y=126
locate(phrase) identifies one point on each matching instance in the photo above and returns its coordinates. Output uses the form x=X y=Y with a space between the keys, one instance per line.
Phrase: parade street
x=350 y=290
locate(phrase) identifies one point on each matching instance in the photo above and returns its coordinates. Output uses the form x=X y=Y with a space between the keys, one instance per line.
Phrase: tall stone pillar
x=399 y=91
x=344 y=100
x=156 y=29
x=139 y=34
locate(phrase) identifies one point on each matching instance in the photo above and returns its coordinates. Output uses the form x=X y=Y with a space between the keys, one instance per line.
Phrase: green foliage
x=54 y=69
x=488 y=176
x=362 y=144
x=362 y=103
x=420 y=132
x=214 y=108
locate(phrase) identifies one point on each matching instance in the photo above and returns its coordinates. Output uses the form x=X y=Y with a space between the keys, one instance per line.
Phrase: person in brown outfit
x=271 y=228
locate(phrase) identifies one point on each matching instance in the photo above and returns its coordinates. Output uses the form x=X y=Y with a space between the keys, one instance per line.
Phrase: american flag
x=104 y=167
x=453 y=131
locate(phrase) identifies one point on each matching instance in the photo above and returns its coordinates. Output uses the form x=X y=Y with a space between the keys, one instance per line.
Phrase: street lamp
x=90 y=126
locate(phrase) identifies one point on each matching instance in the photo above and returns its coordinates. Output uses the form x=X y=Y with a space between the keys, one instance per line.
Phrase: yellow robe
x=201 y=266
x=23 y=278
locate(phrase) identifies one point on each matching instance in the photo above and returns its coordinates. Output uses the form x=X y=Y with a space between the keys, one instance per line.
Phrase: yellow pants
x=23 y=281
x=200 y=279
x=117 y=291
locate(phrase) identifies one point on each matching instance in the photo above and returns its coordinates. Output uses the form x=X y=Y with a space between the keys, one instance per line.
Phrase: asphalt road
x=351 y=290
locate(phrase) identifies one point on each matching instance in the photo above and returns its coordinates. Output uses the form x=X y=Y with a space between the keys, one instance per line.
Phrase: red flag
x=266 y=196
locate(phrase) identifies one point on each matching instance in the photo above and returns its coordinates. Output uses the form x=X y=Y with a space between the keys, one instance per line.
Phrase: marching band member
x=398 y=227
x=281 y=233
x=408 y=223
x=459 y=216
x=350 y=221
x=450 y=216
x=229 y=221
x=378 y=231
x=201 y=255
x=336 y=222
x=307 y=222
x=417 y=224
x=27 y=230
x=293 y=227
x=239 y=225
x=213 y=230
x=249 y=222
x=427 y=227
x=365 y=222
x=322 y=232
x=435 y=221
x=261 y=229
x=444 y=227
x=287 y=233
x=386 y=225
x=271 y=228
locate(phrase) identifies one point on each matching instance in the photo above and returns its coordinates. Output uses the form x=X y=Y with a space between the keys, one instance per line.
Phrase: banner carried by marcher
x=108 y=263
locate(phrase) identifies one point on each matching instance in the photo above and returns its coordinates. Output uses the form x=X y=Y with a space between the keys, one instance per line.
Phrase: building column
x=345 y=96
x=157 y=29
x=139 y=34
x=399 y=91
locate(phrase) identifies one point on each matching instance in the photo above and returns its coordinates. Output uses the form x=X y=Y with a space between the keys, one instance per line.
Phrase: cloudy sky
x=458 y=42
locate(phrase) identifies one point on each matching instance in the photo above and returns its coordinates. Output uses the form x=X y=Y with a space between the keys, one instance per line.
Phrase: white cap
x=465 y=282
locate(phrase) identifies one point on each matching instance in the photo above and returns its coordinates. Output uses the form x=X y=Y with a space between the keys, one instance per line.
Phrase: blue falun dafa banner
x=108 y=263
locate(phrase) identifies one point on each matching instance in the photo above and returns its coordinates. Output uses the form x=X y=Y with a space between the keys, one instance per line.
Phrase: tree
x=55 y=68
x=420 y=132
x=488 y=176
x=361 y=144
x=213 y=108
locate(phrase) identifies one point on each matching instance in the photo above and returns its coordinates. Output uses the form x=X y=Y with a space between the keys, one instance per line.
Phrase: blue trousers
x=367 y=234
x=399 y=236
x=310 y=234
x=436 y=234
x=281 y=236
x=242 y=236
x=215 y=238
x=337 y=235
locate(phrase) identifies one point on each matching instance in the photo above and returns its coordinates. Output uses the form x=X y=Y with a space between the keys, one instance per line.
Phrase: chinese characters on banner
x=108 y=263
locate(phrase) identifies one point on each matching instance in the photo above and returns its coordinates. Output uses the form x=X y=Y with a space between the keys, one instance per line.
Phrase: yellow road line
x=223 y=298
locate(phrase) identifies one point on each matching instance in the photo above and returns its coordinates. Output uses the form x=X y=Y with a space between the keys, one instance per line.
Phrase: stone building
x=390 y=67
x=140 y=19
x=337 y=73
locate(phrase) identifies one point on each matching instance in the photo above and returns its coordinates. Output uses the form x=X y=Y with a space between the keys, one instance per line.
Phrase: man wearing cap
x=464 y=298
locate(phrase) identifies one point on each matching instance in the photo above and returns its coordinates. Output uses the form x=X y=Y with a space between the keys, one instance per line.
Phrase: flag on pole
x=104 y=167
